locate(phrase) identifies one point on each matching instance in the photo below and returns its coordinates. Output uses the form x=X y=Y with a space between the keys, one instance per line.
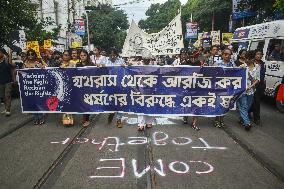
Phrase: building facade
x=64 y=12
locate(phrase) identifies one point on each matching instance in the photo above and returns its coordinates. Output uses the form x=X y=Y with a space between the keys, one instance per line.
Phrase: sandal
x=149 y=126
x=222 y=124
x=194 y=126
x=119 y=123
x=141 y=128
x=86 y=124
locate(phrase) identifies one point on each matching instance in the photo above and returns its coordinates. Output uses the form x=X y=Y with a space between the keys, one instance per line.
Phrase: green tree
x=107 y=26
x=38 y=32
x=15 y=15
x=279 y=5
x=207 y=12
x=265 y=10
x=159 y=16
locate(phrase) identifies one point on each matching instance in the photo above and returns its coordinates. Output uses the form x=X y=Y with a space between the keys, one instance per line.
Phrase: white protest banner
x=166 y=42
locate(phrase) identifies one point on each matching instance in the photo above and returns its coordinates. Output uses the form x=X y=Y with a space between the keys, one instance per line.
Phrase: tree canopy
x=38 y=32
x=265 y=10
x=15 y=15
x=107 y=26
x=159 y=16
x=203 y=12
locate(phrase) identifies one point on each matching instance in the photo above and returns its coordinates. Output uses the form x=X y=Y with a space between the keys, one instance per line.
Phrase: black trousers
x=255 y=107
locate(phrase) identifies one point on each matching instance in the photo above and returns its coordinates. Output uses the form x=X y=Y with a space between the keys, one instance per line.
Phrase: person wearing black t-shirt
x=6 y=80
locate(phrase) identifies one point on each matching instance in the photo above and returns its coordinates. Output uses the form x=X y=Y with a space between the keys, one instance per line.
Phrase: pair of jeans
x=244 y=103
x=6 y=93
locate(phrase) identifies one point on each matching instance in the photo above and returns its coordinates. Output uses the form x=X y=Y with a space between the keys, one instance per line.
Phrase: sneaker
x=222 y=124
x=247 y=127
x=217 y=124
x=3 y=112
x=7 y=114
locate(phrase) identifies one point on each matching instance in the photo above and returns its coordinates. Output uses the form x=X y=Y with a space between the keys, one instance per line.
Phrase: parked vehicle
x=269 y=37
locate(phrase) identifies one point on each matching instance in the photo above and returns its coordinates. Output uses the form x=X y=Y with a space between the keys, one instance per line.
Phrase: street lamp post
x=88 y=31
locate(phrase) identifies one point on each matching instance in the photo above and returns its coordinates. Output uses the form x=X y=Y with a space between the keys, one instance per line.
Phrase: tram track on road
x=12 y=130
x=61 y=157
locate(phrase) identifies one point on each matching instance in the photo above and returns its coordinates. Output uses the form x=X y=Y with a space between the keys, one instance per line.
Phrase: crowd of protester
x=248 y=104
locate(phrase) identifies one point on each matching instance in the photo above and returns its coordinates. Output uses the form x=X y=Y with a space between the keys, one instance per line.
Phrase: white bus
x=269 y=37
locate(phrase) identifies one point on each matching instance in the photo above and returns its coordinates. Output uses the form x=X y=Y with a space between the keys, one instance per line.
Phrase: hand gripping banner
x=151 y=90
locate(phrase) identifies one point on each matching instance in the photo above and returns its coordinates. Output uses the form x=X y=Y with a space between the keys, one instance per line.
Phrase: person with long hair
x=185 y=60
x=241 y=58
x=97 y=58
x=260 y=87
x=84 y=60
x=246 y=99
x=32 y=62
x=67 y=119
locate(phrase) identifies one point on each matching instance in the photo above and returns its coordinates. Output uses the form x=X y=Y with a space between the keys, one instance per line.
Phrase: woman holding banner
x=97 y=58
x=32 y=62
x=85 y=61
x=184 y=59
x=67 y=119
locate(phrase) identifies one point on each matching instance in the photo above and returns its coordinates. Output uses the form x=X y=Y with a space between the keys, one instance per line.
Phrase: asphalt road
x=170 y=155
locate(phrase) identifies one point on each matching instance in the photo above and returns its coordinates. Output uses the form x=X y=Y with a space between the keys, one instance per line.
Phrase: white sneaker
x=7 y=113
x=4 y=112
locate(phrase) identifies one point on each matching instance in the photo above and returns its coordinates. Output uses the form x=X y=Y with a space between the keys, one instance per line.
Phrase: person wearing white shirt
x=114 y=60
x=97 y=58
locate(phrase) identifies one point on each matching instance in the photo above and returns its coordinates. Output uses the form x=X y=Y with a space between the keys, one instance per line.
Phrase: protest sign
x=226 y=38
x=215 y=37
x=191 y=30
x=47 y=44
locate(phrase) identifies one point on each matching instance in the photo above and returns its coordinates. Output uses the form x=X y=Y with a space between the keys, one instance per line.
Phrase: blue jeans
x=244 y=103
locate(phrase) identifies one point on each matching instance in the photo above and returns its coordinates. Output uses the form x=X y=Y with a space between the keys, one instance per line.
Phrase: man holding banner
x=114 y=60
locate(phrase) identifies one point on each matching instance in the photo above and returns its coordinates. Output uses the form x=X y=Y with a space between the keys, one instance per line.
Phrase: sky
x=137 y=11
